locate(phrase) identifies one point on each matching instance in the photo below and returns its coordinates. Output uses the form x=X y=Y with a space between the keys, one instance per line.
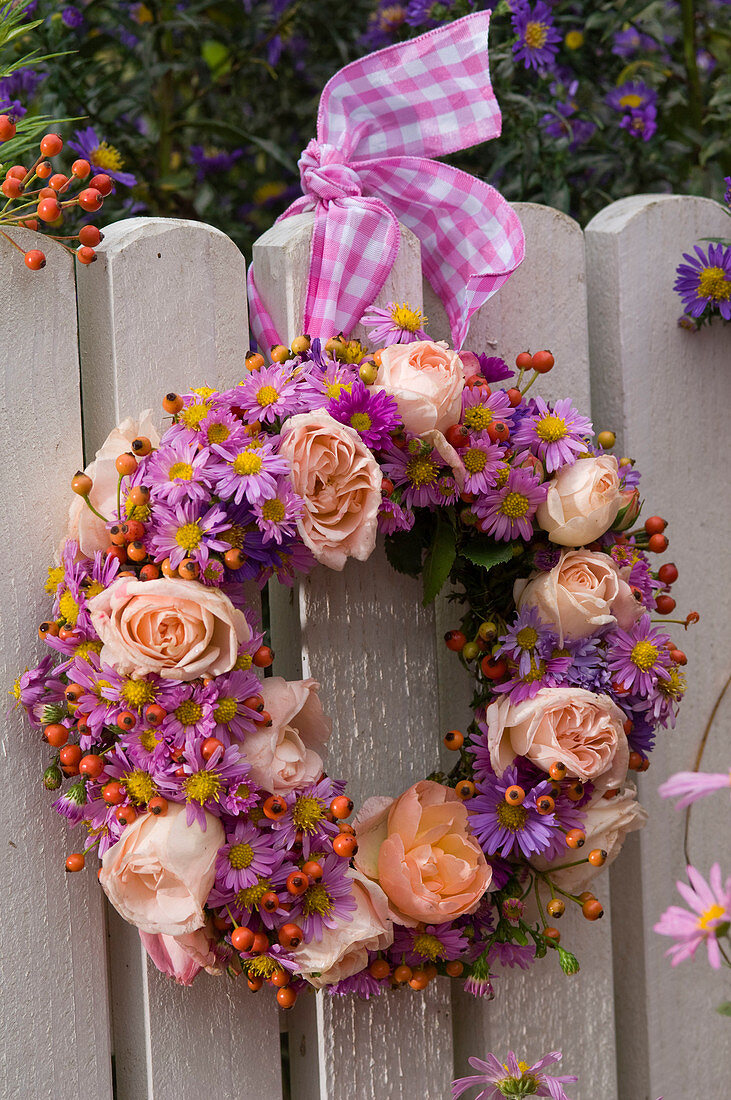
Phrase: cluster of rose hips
x=43 y=202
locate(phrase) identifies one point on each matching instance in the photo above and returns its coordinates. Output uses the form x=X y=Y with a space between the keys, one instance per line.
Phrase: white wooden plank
x=165 y=308
x=53 y=969
x=667 y=392
x=365 y=636
x=543 y=305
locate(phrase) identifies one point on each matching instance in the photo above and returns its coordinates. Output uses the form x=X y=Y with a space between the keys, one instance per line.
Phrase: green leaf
x=404 y=551
x=487 y=552
x=439 y=560
x=724 y=1009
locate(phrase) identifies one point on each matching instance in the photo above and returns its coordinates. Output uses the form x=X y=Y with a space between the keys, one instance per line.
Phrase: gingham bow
x=380 y=121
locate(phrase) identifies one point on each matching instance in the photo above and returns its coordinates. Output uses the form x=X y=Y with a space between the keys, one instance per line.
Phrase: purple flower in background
x=102 y=156
x=630 y=41
x=705 y=281
x=507 y=513
x=555 y=435
x=213 y=164
x=709 y=909
x=383 y=24
x=557 y=124
x=538 y=39
x=632 y=96
x=690 y=786
x=362 y=984
x=394 y=323
x=727 y=194
x=373 y=415
x=420 y=13
x=513 y=1078
x=72 y=18
x=512 y=954
x=641 y=122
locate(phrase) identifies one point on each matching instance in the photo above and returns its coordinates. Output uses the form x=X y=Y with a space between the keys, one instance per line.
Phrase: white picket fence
x=84 y=1015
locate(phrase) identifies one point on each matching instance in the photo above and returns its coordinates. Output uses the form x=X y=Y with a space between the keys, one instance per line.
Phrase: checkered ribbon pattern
x=380 y=122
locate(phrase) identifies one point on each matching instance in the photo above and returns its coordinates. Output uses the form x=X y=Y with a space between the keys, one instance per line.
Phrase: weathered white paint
x=164 y=308
x=53 y=967
x=667 y=394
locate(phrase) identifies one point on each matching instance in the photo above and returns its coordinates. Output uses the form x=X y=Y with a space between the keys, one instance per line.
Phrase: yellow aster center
x=139 y=786
x=429 y=947
x=138 y=692
x=675 y=686
x=644 y=655
x=204 y=391
x=352 y=351
x=334 y=389
x=93 y=589
x=235 y=536
x=189 y=712
x=142 y=512
x=247 y=463
x=631 y=99
x=527 y=1083
x=252 y=895
x=527 y=638
x=55 y=576
x=512 y=818
x=244 y=791
x=707 y=918
x=15 y=691
x=85 y=649
x=714 y=283
x=421 y=471
x=68 y=608
x=226 y=710
x=574 y=40
x=307 y=813
x=317 y=900
x=107 y=157
x=192 y=415
x=515 y=506
x=390 y=18
x=271 y=190
x=150 y=739
x=218 y=433
x=474 y=460
x=273 y=510
x=261 y=966
x=243 y=662
x=142 y=14
x=478 y=417
x=361 y=421
x=180 y=471
x=551 y=428
x=536 y=672
x=202 y=787
x=240 y=856
x=189 y=536
x=535 y=34
x=404 y=317
x=267 y=395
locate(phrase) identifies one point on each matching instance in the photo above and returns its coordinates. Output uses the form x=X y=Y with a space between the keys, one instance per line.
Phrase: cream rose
x=426 y=379
x=582 y=501
x=608 y=821
x=86 y=528
x=580 y=595
x=182 y=957
x=343 y=951
x=340 y=482
x=580 y=729
x=160 y=872
x=178 y=629
x=421 y=852
x=285 y=755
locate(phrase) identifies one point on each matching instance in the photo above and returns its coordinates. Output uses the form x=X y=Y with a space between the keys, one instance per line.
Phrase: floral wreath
x=201 y=784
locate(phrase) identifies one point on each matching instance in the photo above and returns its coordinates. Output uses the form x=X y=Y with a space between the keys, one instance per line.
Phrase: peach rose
x=583 y=730
x=580 y=595
x=86 y=528
x=343 y=951
x=285 y=755
x=420 y=850
x=426 y=379
x=340 y=482
x=178 y=629
x=161 y=870
x=608 y=821
x=182 y=957
x=582 y=501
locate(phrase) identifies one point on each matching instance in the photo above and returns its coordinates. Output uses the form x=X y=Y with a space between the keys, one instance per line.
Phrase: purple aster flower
x=661 y=705
x=383 y=24
x=191 y=714
x=705 y=281
x=492 y=367
x=245 y=902
x=433 y=943
x=141 y=783
x=527 y=639
x=417 y=470
x=179 y=471
x=72 y=803
x=482 y=461
x=277 y=514
x=246 y=856
x=185 y=531
x=538 y=39
x=268 y=394
x=546 y=558
x=146 y=747
x=248 y=472
x=35 y=683
x=220 y=427
x=21 y=83
x=555 y=435
x=641 y=737
x=239 y=798
x=394 y=323
x=632 y=96
x=328 y=903
x=204 y=782
x=307 y=810
x=630 y=41
x=325 y=381
x=233 y=721
x=542 y=672
x=212 y=574
x=92 y=703
x=213 y=163
x=638 y=657
x=392 y=517
x=72 y=18
x=374 y=415
x=512 y=955
x=727 y=193
x=513 y=1078
x=507 y=829
x=362 y=985
x=641 y=122
x=507 y=513
x=102 y=156
x=588 y=667
x=480 y=409
x=710 y=908
x=690 y=786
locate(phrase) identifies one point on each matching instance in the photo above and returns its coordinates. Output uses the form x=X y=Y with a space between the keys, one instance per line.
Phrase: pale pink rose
x=343 y=950
x=180 y=630
x=286 y=754
x=340 y=482
x=86 y=528
x=420 y=850
x=426 y=379
x=608 y=821
x=161 y=870
x=569 y=725
x=580 y=595
x=582 y=501
x=182 y=957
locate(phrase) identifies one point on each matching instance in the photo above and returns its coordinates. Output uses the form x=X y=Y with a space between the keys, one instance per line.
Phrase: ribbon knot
x=325 y=174
x=394 y=111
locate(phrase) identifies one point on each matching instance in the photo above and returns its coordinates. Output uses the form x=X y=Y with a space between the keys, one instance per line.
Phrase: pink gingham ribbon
x=380 y=122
